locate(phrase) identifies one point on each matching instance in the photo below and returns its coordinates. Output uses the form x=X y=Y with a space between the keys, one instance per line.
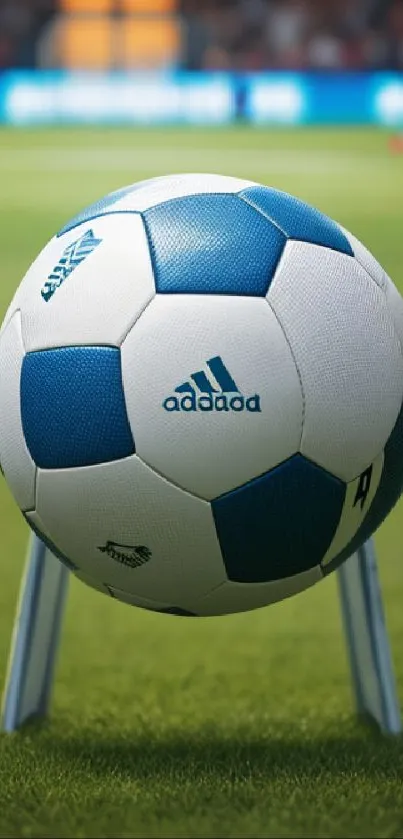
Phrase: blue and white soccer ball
x=201 y=385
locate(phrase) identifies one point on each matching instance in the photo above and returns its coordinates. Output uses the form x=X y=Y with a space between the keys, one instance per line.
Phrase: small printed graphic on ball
x=201 y=395
x=68 y=262
x=132 y=555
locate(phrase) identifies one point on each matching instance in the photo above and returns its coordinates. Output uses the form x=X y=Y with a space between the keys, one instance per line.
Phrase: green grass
x=231 y=727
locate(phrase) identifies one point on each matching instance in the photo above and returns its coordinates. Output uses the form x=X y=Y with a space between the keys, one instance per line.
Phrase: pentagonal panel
x=87 y=287
x=16 y=462
x=145 y=194
x=279 y=524
x=345 y=345
x=240 y=597
x=212 y=392
x=212 y=244
x=296 y=219
x=128 y=528
x=73 y=407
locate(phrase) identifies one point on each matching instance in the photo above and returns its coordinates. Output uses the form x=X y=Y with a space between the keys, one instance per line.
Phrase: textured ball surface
x=201 y=387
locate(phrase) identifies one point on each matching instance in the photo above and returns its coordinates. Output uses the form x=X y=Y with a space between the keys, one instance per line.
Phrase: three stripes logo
x=72 y=256
x=214 y=390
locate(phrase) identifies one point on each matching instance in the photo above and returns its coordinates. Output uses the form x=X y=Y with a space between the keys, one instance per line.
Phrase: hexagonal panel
x=128 y=528
x=344 y=341
x=212 y=391
x=87 y=287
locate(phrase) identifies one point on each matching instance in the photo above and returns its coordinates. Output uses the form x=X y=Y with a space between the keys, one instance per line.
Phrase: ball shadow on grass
x=352 y=747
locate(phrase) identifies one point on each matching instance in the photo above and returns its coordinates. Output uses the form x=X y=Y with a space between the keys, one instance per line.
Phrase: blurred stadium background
x=208 y=35
x=241 y=726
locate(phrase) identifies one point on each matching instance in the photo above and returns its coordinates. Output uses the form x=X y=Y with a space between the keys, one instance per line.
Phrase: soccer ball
x=201 y=385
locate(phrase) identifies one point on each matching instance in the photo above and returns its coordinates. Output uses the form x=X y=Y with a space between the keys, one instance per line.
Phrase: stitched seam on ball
x=111 y=212
x=63 y=231
x=390 y=310
x=381 y=286
x=151 y=249
x=185 y=198
x=296 y=367
x=384 y=290
x=170 y=481
x=211 y=590
x=247 y=200
x=136 y=319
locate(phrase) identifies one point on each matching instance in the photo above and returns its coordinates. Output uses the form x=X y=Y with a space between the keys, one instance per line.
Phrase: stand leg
x=367 y=640
x=35 y=638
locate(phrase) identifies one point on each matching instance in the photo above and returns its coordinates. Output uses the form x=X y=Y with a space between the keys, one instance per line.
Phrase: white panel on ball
x=209 y=452
x=98 y=301
x=346 y=348
x=366 y=260
x=155 y=191
x=15 y=459
x=240 y=597
x=132 y=529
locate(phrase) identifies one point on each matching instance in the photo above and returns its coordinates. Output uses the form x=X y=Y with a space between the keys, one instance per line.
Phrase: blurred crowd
x=247 y=34
x=293 y=34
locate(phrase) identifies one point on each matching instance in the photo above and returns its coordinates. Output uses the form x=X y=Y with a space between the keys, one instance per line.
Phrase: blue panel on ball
x=297 y=219
x=388 y=493
x=279 y=524
x=98 y=208
x=73 y=407
x=212 y=244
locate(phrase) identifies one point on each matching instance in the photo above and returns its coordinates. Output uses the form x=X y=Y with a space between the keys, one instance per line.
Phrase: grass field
x=229 y=727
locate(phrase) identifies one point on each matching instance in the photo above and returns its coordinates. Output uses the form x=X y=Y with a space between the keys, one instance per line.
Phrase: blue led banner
x=29 y=98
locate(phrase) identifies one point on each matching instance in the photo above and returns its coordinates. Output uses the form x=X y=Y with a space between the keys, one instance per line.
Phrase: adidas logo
x=72 y=256
x=211 y=391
